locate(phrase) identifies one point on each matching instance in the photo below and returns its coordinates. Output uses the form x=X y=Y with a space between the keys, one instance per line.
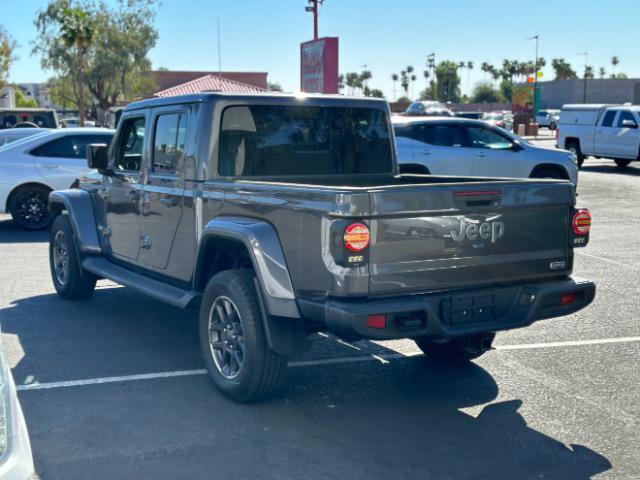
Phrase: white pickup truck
x=602 y=131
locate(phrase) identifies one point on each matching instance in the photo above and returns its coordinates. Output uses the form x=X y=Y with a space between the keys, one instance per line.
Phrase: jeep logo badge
x=475 y=229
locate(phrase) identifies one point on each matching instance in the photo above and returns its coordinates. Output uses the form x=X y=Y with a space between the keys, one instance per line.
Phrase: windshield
x=268 y=140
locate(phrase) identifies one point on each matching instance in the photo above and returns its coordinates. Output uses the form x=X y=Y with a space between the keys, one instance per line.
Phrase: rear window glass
x=268 y=140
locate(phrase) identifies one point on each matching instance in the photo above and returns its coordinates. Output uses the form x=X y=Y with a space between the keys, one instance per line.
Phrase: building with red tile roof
x=209 y=83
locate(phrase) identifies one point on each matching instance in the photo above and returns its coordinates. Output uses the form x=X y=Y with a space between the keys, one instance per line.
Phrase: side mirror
x=517 y=146
x=98 y=158
x=629 y=124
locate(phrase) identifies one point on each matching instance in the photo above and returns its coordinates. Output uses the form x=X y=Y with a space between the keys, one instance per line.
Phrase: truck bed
x=427 y=233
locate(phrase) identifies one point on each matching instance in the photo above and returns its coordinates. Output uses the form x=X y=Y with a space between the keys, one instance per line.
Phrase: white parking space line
x=382 y=358
x=620 y=264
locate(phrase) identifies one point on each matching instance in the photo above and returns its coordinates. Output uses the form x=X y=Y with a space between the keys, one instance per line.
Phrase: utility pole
x=535 y=78
x=586 y=61
x=313 y=7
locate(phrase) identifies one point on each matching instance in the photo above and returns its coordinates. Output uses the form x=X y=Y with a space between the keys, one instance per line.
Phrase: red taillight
x=356 y=237
x=582 y=222
x=568 y=298
x=377 y=321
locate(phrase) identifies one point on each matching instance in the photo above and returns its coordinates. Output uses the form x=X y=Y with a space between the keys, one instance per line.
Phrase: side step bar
x=160 y=291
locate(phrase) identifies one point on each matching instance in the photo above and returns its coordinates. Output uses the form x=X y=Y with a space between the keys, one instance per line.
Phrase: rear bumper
x=451 y=314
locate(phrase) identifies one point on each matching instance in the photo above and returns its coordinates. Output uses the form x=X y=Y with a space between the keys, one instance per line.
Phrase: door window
x=130 y=144
x=484 y=138
x=625 y=115
x=440 y=135
x=69 y=146
x=169 y=143
x=607 y=121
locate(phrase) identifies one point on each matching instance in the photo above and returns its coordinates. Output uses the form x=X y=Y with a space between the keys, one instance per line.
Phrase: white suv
x=455 y=146
x=34 y=166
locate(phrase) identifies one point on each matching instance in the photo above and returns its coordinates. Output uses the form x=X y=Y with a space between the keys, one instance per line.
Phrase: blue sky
x=384 y=35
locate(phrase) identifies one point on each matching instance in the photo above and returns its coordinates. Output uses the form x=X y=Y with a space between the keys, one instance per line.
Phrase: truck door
x=167 y=236
x=605 y=134
x=625 y=143
x=122 y=192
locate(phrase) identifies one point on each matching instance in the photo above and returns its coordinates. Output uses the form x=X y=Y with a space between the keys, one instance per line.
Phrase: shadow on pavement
x=612 y=168
x=359 y=420
x=10 y=232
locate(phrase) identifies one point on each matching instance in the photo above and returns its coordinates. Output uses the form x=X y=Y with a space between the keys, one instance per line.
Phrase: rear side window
x=169 y=142
x=440 y=135
x=130 y=143
x=269 y=140
x=625 y=115
x=69 y=146
x=607 y=121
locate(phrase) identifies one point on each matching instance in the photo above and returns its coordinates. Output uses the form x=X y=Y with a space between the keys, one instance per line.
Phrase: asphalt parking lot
x=113 y=387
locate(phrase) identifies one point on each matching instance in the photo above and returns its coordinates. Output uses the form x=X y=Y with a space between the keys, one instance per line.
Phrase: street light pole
x=586 y=61
x=535 y=77
x=314 y=8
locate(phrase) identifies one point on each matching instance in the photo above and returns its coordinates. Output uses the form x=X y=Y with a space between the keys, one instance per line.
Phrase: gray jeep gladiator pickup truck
x=279 y=216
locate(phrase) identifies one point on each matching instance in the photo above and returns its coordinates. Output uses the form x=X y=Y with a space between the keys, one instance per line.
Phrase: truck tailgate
x=427 y=238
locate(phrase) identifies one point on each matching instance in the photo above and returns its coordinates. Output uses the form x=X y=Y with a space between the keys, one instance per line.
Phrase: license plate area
x=465 y=309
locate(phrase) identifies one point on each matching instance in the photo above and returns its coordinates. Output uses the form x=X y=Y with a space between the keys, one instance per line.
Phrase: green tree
x=274 y=87
x=67 y=31
x=22 y=101
x=7 y=46
x=588 y=72
x=602 y=73
x=484 y=92
x=506 y=89
x=563 y=69
x=377 y=93
x=404 y=99
x=447 y=87
x=64 y=93
x=115 y=58
x=394 y=79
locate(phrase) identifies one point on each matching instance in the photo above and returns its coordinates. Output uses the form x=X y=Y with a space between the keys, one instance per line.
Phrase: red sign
x=319 y=65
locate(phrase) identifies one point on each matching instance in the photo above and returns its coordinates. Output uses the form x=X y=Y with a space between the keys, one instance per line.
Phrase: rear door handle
x=481 y=154
x=49 y=165
x=425 y=152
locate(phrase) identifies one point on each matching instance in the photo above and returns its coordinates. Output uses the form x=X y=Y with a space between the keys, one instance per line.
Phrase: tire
x=235 y=350
x=69 y=280
x=622 y=163
x=29 y=207
x=548 y=173
x=456 y=350
x=574 y=147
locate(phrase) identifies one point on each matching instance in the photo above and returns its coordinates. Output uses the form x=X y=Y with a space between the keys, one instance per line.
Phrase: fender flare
x=263 y=245
x=79 y=207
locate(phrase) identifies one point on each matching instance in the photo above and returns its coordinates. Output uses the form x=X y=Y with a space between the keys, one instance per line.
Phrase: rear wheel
x=574 y=147
x=233 y=341
x=456 y=350
x=29 y=207
x=69 y=280
x=622 y=163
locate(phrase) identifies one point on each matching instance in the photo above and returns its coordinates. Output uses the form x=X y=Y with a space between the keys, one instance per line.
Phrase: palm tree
x=614 y=63
x=602 y=72
x=588 y=72
x=413 y=79
x=77 y=29
x=404 y=82
x=394 y=79
x=469 y=67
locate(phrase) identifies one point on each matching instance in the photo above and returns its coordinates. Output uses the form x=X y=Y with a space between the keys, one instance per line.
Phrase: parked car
x=499 y=119
x=602 y=131
x=9 y=135
x=28 y=117
x=442 y=146
x=16 y=460
x=429 y=108
x=469 y=115
x=548 y=118
x=34 y=166
x=286 y=215
x=74 y=122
